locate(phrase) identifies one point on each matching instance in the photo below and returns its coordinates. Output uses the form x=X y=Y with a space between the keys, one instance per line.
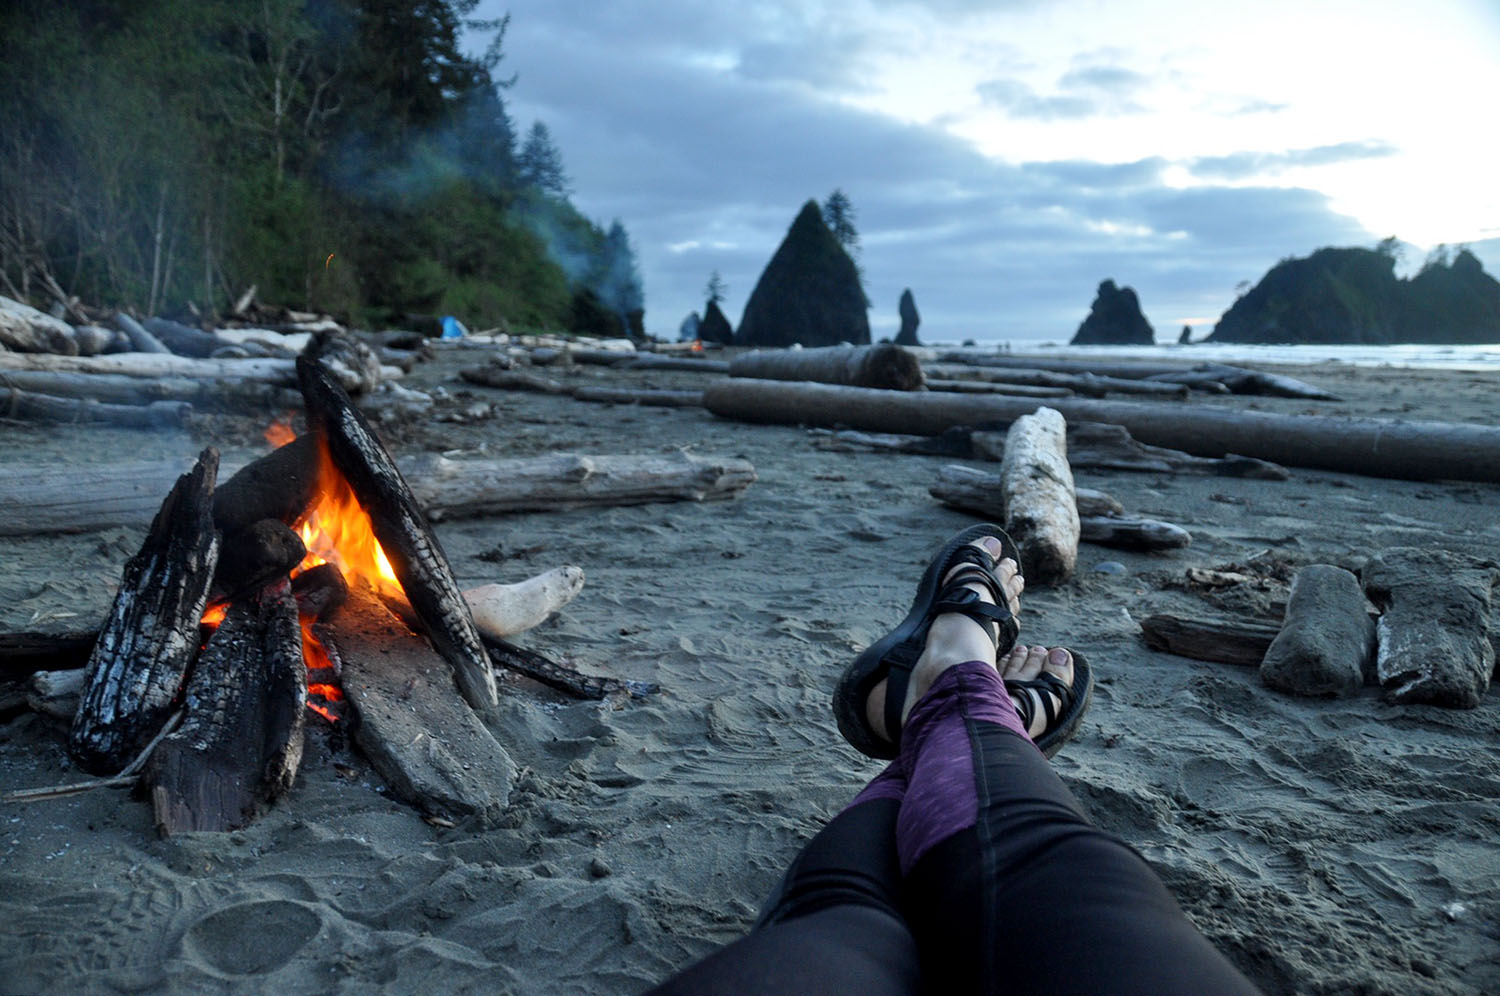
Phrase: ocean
x=1422 y=356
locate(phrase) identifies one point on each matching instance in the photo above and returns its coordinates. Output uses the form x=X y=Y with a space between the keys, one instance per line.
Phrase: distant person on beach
x=965 y=866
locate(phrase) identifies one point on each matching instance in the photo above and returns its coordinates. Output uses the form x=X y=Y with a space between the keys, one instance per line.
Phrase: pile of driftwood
x=1420 y=623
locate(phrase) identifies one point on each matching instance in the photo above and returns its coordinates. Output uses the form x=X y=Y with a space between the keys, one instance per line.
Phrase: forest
x=340 y=156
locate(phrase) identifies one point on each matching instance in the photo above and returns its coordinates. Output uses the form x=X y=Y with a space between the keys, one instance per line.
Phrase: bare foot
x=952 y=639
x=1025 y=663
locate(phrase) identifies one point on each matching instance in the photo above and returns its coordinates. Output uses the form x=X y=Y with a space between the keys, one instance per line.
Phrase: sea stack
x=809 y=294
x=909 y=320
x=1115 y=320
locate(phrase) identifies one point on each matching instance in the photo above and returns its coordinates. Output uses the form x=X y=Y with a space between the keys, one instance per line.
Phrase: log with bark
x=241 y=739
x=47 y=498
x=1372 y=446
x=429 y=747
x=1041 y=512
x=885 y=365
x=1099 y=446
x=151 y=633
x=1224 y=640
x=415 y=555
x=1089 y=384
x=30 y=407
x=638 y=396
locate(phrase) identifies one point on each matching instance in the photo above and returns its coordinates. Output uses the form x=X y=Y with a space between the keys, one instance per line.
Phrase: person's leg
x=833 y=925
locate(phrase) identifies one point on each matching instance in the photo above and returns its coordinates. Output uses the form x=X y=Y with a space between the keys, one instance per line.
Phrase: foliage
x=838 y=215
x=157 y=153
x=715 y=290
x=1352 y=295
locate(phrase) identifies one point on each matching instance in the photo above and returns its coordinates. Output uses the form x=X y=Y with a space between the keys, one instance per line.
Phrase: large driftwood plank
x=416 y=556
x=1377 y=447
x=429 y=747
x=885 y=365
x=1092 y=385
x=155 y=365
x=151 y=632
x=1041 y=511
x=241 y=741
x=456 y=488
x=1223 y=640
x=46 y=498
x=30 y=407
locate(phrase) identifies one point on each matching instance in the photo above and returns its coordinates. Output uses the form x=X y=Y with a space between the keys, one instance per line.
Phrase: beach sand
x=1325 y=846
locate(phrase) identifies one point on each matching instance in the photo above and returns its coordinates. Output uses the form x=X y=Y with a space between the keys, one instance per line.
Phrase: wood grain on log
x=885 y=365
x=1223 y=640
x=416 y=556
x=151 y=632
x=241 y=741
x=1041 y=512
x=1376 y=447
x=432 y=750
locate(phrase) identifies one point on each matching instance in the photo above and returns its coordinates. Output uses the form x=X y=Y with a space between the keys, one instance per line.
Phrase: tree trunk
x=415 y=554
x=885 y=366
x=241 y=741
x=1041 y=511
x=151 y=633
x=1377 y=447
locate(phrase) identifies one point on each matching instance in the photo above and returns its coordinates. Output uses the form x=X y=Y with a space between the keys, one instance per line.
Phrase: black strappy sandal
x=892 y=656
x=1064 y=718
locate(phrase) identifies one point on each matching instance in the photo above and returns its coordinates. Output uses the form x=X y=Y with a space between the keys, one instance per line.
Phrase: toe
x=1031 y=665
x=1059 y=662
x=1011 y=664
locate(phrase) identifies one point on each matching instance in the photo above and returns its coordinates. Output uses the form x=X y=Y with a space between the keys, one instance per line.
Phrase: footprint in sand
x=238 y=940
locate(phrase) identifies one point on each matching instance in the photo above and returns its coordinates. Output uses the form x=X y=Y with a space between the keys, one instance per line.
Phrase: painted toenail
x=1057 y=657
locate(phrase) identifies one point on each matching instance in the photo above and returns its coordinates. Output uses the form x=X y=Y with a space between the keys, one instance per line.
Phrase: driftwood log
x=885 y=365
x=151 y=633
x=1100 y=517
x=416 y=556
x=28 y=330
x=1041 y=512
x=651 y=361
x=1237 y=379
x=429 y=747
x=141 y=341
x=32 y=407
x=983 y=387
x=511 y=380
x=1224 y=640
x=638 y=396
x=121 y=389
x=44 y=498
x=156 y=365
x=26 y=653
x=241 y=739
x=1100 y=446
x=502 y=610
x=1417 y=450
x=1091 y=385
x=562 y=677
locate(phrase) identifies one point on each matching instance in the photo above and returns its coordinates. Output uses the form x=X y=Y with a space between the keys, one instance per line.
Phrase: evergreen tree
x=540 y=163
x=716 y=289
x=838 y=215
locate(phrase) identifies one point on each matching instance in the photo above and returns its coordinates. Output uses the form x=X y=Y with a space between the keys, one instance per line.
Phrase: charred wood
x=241 y=741
x=151 y=633
x=415 y=554
x=25 y=653
x=562 y=677
x=279 y=485
x=253 y=557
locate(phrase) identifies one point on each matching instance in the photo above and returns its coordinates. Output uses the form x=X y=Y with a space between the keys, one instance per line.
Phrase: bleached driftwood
x=1089 y=384
x=28 y=330
x=141 y=341
x=55 y=693
x=120 y=389
x=1041 y=512
x=502 y=610
x=1221 y=640
x=1377 y=447
x=65 y=498
x=156 y=365
x=1133 y=534
x=1240 y=380
x=885 y=366
x=1098 y=446
x=30 y=407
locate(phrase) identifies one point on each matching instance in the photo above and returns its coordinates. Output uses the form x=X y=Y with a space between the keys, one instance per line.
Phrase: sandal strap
x=901 y=659
x=967 y=601
x=1042 y=684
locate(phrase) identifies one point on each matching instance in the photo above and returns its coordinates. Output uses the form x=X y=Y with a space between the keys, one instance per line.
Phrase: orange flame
x=280 y=433
x=337 y=530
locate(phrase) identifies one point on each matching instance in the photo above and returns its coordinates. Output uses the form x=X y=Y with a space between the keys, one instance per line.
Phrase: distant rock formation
x=1115 y=320
x=1186 y=337
x=715 y=327
x=809 y=293
x=688 y=330
x=1353 y=296
x=909 y=320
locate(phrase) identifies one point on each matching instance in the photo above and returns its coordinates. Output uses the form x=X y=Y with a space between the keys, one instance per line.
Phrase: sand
x=1326 y=846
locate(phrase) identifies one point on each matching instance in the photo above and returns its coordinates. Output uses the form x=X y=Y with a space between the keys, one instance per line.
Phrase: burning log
x=414 y=552
x=151 y=633
x=431 y=749
x=241 y=741
x=253 y=557
x=502 y=610
x=280 y=485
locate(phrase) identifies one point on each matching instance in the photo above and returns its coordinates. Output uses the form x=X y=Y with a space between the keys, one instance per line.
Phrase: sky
x=1004 y=157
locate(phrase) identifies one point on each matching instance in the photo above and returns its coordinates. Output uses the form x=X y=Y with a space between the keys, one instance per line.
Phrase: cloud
x=1240 y=165
x=1088 y=90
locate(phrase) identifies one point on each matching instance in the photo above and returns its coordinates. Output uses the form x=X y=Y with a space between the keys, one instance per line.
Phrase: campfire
x=308 y=582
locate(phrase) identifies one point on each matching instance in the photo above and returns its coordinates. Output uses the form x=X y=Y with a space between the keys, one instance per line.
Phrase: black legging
x=1028 y=898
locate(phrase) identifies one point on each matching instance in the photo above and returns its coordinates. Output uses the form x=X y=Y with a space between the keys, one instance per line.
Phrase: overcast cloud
x=704 y=128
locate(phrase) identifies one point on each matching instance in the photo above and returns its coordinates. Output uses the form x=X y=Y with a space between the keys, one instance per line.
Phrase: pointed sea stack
x=715 y=327
x=809 y=293
x=1115 y=320
x=909 y=320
